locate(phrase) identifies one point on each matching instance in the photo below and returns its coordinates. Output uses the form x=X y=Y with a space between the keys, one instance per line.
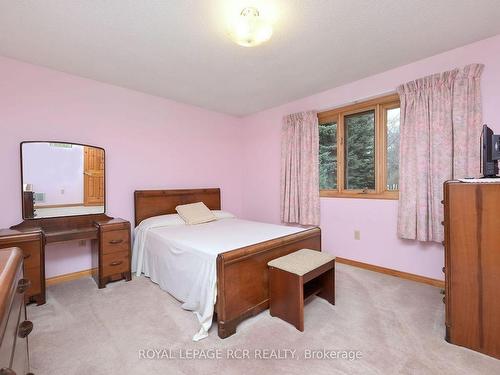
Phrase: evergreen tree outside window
x=359 y=150
x=328 y=156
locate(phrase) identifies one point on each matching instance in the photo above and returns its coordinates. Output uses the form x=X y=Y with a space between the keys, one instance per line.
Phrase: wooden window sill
x=389 y=195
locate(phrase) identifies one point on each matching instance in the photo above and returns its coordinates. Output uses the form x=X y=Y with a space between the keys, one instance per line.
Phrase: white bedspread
x=182 y=258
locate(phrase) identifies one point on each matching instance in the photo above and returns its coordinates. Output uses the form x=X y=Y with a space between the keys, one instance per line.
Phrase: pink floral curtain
x=440 y=134
x=300 y=169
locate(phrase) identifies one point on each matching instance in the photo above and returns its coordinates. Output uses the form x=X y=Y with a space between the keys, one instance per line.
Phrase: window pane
x=392 y=116
x=360 y=151
x=328 y=156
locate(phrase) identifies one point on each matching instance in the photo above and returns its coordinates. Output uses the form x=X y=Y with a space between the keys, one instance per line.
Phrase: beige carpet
x=396 y=325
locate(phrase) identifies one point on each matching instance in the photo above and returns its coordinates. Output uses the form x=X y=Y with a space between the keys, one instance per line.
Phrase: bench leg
x=286 y=295
x=328 y=286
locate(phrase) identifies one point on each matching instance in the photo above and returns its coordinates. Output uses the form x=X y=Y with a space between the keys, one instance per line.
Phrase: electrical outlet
x=357 y=234
x=62 y=191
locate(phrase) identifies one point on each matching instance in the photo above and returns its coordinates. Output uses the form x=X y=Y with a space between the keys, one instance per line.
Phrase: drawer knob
x=115 y=242
x=116 y=263
x=7 y=371
x=23 y=285
x=25 y=329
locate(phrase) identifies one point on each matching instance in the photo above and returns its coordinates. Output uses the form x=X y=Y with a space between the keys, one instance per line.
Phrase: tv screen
x=490 y=152
x=496 y=147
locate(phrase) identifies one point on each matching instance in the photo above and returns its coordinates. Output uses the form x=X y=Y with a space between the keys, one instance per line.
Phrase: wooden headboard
x=149 y=203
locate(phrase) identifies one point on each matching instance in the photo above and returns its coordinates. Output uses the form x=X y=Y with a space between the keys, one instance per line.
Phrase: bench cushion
x=301 y=262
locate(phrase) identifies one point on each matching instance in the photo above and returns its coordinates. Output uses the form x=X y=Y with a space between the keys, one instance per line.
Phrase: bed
x=241 y=279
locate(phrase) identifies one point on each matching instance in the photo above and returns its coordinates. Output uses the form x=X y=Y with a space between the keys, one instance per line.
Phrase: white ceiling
x=178 y=48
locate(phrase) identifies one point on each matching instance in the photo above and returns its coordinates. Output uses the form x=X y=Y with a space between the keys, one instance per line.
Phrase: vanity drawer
x=115 y=263
x=31 y=253
x=115 y=241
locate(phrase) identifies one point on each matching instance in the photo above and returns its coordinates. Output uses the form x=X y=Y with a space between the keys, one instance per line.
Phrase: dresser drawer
x=115 y=241
x=115 y=263
x=20 y=355
x=31 y=252
x=10 y=334
x=33 y=275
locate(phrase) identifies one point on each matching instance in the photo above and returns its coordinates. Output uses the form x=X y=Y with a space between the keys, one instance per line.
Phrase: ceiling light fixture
x=250 y=29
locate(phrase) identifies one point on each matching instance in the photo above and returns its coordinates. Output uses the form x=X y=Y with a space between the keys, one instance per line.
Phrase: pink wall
x=150 y=142
x=376 y=219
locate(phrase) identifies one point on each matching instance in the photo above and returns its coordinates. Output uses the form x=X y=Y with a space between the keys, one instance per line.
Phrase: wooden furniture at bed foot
x=14 y=328
x=32 y=244
x=297 y=276
x=472 y=265
x=111 y=254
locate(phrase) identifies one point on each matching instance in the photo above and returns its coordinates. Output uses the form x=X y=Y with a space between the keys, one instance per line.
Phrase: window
x=328 y=156
x=359 y=150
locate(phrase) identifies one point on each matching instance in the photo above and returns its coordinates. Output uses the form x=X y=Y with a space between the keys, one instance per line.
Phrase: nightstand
x=111 y=254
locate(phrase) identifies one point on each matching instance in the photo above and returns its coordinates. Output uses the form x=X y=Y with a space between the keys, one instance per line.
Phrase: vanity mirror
x=61 y=179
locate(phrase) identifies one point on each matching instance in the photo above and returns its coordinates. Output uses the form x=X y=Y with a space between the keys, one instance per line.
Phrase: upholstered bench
x=296 y=276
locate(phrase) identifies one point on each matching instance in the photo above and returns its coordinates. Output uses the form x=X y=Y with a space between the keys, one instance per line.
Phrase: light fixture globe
x=250 y=29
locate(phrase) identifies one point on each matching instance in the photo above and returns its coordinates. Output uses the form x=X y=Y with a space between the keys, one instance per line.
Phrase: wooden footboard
x=242 y=280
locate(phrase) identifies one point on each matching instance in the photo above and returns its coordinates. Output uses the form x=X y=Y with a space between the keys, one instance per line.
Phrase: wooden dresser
x=14 y=328
x=472 y=265
x=32 y=243
x=110 y=240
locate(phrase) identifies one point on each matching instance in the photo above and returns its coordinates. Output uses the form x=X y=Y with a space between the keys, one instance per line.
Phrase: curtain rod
x=387 y=93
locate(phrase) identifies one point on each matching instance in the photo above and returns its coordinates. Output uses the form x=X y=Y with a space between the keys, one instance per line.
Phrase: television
x=490 y=152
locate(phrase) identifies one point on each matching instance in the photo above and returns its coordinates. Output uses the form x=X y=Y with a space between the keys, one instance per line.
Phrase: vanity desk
x=70 y=207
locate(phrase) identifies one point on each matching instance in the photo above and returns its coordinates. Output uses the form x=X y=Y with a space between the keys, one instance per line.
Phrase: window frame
x=380 y=105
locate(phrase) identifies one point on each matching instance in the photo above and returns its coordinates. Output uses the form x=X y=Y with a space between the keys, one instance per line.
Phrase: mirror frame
x=56 y=217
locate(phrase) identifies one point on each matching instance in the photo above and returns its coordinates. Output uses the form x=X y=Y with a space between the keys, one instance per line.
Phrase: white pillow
x=161 y=221
x=223 y=214
x=195 y=213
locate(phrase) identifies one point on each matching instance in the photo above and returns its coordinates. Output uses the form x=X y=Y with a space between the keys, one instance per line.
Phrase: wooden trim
x=387 y=195
x=68 y=277
x=356 y=106
x=391 y=272
x=380 y=153
x=59 y=205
